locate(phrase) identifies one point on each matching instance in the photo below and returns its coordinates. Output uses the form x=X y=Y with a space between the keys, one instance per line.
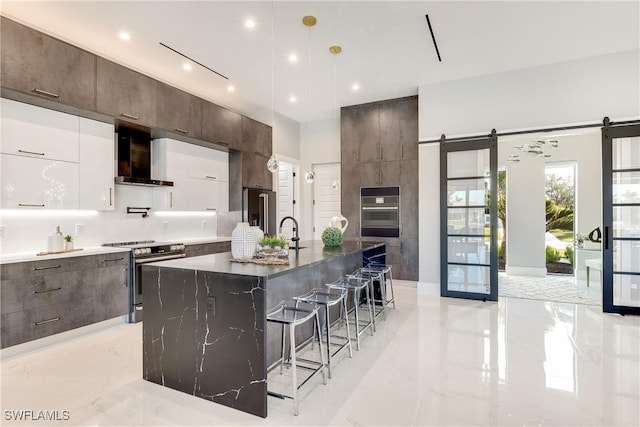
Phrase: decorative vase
x=257 y=231
x=243 y=241
x=68 y=246
x=340 y=222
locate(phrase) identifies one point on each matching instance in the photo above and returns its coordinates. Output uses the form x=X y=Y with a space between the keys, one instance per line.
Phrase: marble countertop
x=31 y=256
x=312 y=252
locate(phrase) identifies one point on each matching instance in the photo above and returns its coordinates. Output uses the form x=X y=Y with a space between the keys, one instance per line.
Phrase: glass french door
x=469 y=218
x=621 y=218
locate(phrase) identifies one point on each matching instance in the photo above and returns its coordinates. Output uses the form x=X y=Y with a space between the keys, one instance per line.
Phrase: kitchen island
x=205 y=330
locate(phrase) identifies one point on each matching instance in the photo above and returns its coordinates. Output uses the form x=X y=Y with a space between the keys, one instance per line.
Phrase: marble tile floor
x=558 y=288
x=434 y=361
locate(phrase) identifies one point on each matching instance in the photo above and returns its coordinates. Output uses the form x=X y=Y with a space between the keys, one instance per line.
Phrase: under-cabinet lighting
x=46 y=212
x=185 y=213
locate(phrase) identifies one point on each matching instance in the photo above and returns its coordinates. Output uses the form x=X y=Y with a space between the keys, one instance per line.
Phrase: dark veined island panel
x=204 y=331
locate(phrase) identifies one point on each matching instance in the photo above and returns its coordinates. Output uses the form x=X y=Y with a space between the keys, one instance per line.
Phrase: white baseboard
x=526 y=271
x=27 y=347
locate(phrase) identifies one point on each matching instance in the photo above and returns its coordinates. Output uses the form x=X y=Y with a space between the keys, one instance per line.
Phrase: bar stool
x=356 y=286
x=322 y=298
x=289 y=314
x=372 y=275
x=385 y=270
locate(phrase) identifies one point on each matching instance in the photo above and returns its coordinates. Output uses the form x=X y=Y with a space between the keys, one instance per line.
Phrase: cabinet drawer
x=28 y=325
x=39 y=183
x=30 y=292
x=38 y=132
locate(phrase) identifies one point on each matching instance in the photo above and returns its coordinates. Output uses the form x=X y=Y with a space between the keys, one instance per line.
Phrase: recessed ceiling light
x=186 y=66
x=293 y=58
x=355 y=87
x=249 y=23
x=231 y=88
x=292 y=98
x=124 y=36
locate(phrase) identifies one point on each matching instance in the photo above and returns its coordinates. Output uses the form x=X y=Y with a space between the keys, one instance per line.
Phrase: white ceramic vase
x=340 y=222
x=243 y=241
x=257 y=231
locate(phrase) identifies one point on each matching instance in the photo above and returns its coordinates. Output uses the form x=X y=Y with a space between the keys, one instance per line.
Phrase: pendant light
x=272 y=163
x=309 y=21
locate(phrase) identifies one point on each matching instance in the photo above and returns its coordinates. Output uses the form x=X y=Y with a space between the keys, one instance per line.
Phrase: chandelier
x=538 y=148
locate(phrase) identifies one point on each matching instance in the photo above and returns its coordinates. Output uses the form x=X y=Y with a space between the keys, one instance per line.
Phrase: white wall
x=27 y=230
x=584 y=90
x=319 y=143
x=571 y=92
x=286 y=137
x=526 y=217
x=429 y=212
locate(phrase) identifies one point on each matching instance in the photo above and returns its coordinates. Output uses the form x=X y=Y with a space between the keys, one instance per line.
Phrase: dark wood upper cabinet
x=125 y=94
x=399 y=129
x=367 y=137
x=178 y=112
x=256 y=137
x=221 y=126
x=45 y=67
x=254 y=171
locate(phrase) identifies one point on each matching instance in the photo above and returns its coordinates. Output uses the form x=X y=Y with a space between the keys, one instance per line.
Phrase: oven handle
x=159 y=258
x=379 y=208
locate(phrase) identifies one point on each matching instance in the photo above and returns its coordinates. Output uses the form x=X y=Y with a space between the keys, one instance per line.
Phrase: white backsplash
x=27 y=231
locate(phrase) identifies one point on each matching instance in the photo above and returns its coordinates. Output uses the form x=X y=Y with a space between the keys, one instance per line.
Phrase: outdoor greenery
x=568 y=253
x=560 y=190
x=558 y=216
x=552 y=254
x=332 y=237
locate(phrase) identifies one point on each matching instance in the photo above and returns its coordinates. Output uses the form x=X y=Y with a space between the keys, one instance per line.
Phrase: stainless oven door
x=135 y=311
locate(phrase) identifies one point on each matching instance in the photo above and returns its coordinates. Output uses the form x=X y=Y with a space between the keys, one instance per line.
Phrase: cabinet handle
x=170 y=199
x=259 y=185
x=402 y=151
x=27 y=205
x=114 y=259
x=110 y=196
x=210 y=177
x=210 y=209
x=357 y=152
x=181 y=130
x=380 y=151
x=46 y=268
x=31 y=152
x=46 y=93
x=46 y=291
x=42 y=322
x=125 y=284
x=129 y=116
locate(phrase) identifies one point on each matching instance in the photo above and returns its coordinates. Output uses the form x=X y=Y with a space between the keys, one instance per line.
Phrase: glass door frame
x=611 y=131
x=472 y=144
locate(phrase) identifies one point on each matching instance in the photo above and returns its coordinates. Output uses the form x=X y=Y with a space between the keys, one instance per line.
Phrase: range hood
x=134 y=159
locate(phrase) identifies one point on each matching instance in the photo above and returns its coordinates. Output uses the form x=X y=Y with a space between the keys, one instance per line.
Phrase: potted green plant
x=272 y=246
x=68 y=242
x=332 y=237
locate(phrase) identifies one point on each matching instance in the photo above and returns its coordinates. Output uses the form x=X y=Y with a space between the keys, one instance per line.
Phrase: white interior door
x=326 y=198
x=285 y=195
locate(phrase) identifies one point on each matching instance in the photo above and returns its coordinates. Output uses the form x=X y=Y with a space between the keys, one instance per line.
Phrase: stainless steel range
x=144 y=252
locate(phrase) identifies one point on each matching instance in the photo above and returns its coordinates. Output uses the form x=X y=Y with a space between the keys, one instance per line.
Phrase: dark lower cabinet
x=207 y=248
x=42 y=298
x=47 y=68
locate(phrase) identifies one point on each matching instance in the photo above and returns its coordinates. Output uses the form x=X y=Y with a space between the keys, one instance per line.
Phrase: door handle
x=606 y=238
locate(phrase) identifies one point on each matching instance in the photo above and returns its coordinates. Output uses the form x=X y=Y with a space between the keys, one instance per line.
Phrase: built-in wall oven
x=380 y=211
x=144 y=252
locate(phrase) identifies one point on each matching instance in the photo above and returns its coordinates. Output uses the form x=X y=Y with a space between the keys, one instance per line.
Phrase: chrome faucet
x=295 y=239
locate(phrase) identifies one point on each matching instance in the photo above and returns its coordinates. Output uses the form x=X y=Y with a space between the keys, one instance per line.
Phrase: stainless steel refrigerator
x=259 y=208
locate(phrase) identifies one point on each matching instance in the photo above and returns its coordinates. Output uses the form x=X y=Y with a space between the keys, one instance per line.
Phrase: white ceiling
x=387 y=47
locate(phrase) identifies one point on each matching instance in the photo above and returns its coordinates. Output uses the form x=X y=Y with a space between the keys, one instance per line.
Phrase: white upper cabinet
x=38 y=183
x=200 y=176
x=38 y=132
x=97 y=160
